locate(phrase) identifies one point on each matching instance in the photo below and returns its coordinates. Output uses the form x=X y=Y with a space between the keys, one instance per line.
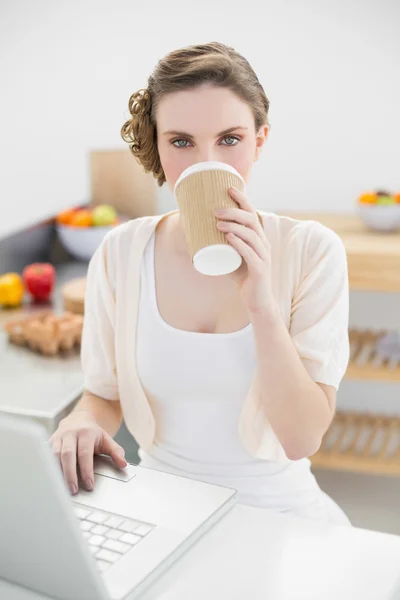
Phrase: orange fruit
x=368 y=198
x=82 y=218
x=65 y=217
x=397 y=197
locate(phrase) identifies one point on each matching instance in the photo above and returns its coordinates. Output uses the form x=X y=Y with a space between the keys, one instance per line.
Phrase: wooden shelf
x=373 y=258
x=361 y=443
x=365 y=363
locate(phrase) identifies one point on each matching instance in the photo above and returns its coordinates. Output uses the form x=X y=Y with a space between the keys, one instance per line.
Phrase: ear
x=260 y=140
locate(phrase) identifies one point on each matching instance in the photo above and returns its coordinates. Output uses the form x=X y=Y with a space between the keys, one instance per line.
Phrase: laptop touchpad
x=104 y=466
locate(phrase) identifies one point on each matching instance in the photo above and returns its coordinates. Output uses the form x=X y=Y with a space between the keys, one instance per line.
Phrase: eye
x=180 y=143
x=231 y=140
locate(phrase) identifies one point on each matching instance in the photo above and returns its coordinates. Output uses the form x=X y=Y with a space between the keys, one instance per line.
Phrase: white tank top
x=196 y=384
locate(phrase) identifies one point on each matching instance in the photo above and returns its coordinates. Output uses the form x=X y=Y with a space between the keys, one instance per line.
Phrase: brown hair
x=186 y=69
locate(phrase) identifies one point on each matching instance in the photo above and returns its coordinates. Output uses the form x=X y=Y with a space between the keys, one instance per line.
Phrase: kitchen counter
x=36 y=386
x=373 y=258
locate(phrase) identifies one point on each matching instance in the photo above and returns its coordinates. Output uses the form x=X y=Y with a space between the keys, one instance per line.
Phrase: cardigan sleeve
x=98 y=336
x=320 y=308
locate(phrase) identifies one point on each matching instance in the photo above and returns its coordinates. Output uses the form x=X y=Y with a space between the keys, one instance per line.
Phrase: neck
x=176 y=234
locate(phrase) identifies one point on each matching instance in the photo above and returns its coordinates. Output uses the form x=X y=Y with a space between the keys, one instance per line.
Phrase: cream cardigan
x=309 y=281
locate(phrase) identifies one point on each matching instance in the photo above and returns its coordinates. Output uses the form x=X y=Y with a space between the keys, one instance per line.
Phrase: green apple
x=386 y=200
x=103 y=215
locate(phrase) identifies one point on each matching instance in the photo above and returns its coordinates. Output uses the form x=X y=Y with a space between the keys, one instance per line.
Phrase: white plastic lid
x=207 y=166
x=218 y=259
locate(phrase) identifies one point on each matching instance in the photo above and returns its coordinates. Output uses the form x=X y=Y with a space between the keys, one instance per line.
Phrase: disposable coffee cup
x=200 y=191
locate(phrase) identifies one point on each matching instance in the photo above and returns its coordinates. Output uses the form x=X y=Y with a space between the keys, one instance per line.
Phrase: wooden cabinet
x=356 y=441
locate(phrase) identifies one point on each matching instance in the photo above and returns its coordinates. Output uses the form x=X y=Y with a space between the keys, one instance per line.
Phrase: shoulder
x=127 y=232
x=119 y=244
x=305 y=238
x=121 y=240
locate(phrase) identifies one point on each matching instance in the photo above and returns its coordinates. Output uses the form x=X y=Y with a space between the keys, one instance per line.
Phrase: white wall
x=330 y=69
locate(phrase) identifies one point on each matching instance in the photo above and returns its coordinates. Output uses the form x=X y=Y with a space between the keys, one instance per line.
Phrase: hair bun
x=140 y=102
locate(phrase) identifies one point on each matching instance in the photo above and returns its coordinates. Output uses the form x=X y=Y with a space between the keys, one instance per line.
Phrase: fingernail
x=219 y=212
x=74 y=489
x=89 y=484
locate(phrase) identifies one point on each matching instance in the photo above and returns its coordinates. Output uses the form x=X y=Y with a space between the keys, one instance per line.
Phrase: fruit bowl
x=380 y=211
x=81 y=242
x=82 y=229
x=379 y=217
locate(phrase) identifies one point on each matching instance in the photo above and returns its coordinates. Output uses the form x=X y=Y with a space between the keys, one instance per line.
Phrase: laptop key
x=86 y=534
x=94 y=549
x=114 y=534
x=98 y=517
x=143 y=530
x=81 y=513
x=99 y=530
x=97 y=540
x=114 y=521
x=128 y=525
x=85 y=525
x=130 y=538
x=108 y=555
x=116 y=546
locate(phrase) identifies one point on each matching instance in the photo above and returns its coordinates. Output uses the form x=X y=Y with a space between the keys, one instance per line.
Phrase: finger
x=241 y=199
x=249 y=219
x=68 y=462
x=117 y=453
x=86 y=442
x=251 y=258
x=247 y=235
x=55 y=444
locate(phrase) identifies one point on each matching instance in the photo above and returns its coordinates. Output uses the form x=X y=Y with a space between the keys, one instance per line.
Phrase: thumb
x=117 y=453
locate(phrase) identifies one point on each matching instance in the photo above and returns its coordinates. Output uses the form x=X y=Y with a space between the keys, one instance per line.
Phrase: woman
x=233 y=379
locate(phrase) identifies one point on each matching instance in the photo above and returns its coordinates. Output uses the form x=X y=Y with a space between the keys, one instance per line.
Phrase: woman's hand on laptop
x=75 y=442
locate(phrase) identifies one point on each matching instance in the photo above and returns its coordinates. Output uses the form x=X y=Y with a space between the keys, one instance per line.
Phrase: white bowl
x=82 y=242
x=380 y=217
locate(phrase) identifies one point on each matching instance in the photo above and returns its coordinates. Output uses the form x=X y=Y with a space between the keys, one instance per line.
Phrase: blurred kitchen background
x=332 y=73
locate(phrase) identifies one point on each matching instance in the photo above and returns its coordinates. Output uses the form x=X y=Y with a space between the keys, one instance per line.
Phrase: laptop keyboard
x=109 y=536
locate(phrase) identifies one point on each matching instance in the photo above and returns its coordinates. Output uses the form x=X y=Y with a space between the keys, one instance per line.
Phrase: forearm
x=106 y=413
x=296 y=407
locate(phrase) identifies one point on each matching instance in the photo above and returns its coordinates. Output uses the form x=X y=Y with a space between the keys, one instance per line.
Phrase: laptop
x=110 y=543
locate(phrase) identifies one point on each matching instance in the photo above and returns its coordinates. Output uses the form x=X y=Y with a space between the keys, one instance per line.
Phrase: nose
x=207 y=153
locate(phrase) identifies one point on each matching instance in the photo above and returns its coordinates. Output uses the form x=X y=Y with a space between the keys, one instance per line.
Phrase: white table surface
x=256 y=554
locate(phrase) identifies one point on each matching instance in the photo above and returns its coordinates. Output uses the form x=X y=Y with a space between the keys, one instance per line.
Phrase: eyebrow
x=224 y=132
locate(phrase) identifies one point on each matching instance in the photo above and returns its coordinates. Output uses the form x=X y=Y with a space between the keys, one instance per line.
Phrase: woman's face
x=206 y=123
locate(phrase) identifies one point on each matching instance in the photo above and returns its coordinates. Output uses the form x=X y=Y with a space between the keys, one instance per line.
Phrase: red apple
x=39 y=279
